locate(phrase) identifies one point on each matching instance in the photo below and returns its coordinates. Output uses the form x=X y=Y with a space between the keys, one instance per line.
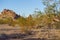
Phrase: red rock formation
x=8 y=13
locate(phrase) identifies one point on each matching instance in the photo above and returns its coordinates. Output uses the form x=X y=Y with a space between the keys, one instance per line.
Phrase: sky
x=21 y=7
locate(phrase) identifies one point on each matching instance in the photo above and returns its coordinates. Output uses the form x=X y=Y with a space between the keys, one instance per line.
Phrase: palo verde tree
x=51 y=9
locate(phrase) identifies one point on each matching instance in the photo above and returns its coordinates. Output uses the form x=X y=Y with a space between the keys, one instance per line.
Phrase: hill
x=6 y=13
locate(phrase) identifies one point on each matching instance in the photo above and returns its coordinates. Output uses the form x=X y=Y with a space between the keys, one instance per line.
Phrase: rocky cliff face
x=6 y=13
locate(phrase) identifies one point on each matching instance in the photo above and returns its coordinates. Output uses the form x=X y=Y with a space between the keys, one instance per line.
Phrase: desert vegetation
x=48 y=20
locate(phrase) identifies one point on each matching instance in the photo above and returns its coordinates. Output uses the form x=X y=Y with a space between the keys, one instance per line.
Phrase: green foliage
x=8 y=21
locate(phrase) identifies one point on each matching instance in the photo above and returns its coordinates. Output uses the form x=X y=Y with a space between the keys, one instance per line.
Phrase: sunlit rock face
x=6 y=13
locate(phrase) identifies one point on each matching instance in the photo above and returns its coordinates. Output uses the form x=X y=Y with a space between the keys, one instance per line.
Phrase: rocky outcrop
x=6 y=13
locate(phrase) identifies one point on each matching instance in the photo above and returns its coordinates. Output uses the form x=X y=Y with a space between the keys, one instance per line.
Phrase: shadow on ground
x=17 y=37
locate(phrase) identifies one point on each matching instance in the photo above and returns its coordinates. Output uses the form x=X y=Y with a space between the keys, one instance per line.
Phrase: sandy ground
x=14 y=33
